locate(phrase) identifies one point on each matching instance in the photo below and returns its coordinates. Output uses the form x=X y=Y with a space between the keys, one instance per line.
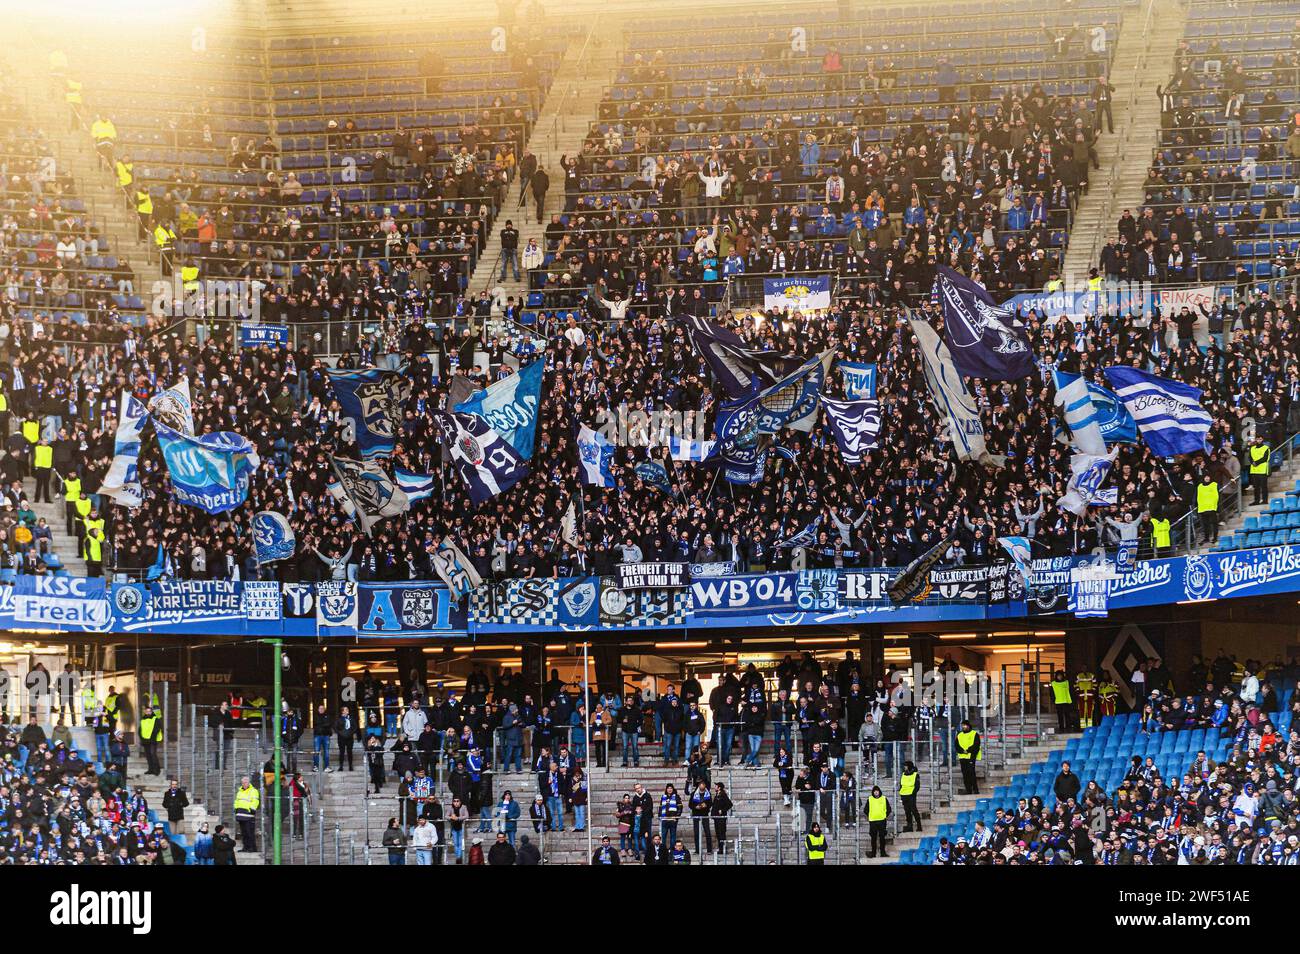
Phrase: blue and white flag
x=744 y=464
x=856 y=426
x=1110 y=414
x=805 y=537
x=859 y=379
x=951 y=399
x=1018 y=548
x=372 y=401
x=653 y=474
x=1087 y=473
x=1168 y=413
x=742 y=371
x=485 y=460
x=211 y=471
x=791 y=402
x=802 y=293
x=372 y=494
x=273 y=538
x=122 y=482
x=596 y=455
x=417 y=487
x=1075 y=401
x=986 y=340
x=454 y=569
x=686 y=450
x=1090 y=597
x=174 y=408
x=510 y=406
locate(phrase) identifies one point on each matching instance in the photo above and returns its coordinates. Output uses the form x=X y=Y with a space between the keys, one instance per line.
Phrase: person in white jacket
x=413 y=720
x=533 y=256
x=424 y=838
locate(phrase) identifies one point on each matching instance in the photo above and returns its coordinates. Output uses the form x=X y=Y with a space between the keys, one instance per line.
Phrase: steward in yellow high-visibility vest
x=31 y=429
x=144 y=203
x=72 y=92
x=125 y=171
x=877 y=815
x=164 y=237
x=1160 y=534
x=969 y=751
x=190 y=277
x=1063 y=701
x=1095 y=281
x=1260 y=455
x=909 y=784
x=42 y=470
x=94 y=551
x=815 y=845
x=103 y=130
x=1207 y=507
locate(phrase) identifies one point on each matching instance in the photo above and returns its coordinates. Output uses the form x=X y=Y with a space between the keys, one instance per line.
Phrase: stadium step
x=66 y=547
x=588 y=67
x=1144 y=58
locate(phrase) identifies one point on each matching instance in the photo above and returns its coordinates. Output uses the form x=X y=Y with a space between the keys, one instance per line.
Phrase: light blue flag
x=510 y=407
x=416 y=486
x=273 y=538
x=595 y=454
x=1018 y=548
x=122 y=482
x=1168 y=413
x=211 y=471
x=859 y=379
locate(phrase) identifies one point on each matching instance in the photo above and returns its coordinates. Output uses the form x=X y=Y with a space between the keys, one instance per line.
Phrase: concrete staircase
x=1047 y=747
x=1144 y=58
x=1280 y=482
x=67 y=547
x=74 y=152
x=588 y=67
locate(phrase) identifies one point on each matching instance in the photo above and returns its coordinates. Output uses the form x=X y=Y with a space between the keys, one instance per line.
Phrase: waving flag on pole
x=485 y=460
x=1075 y=401
x=122 y=482
x=951 y=399
x=741 y=370
x=273 y=538
x=595 y=454
x=454 y=569
x=804 y=538
x=1018 y=548
x=1087 y=473
x=855 y=424
x=372 y=401
x=1168 y=413
x=1109 y=413
x=174 y=408
x=417 y=487
x=653 y=474
x=986 y=340
x=686 y=450
x=510 y=406
x=211 y=471
x=372 y=494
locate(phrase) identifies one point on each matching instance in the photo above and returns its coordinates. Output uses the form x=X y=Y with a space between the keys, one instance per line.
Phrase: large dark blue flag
x=742 y=371
x=372 y=401
x=486 y=461
x=985 y=339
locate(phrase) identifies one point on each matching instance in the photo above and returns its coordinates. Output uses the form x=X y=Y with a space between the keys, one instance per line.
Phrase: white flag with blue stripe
x=684 y=449
x=1168 y=413
x=417 y=487
x=1073 y=397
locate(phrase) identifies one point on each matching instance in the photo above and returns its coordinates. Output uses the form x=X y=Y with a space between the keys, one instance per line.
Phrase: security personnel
x=113 y=705
x=190 y=277
x=31 y=434
x=1160 y=534
x=144 y=209
x=42 y=467
x=164 y=237
x=71 y=493
x=1260 y=454
x=94 y=552
x=88 y=702
x=124 y=169
x=815 y=844
x=909 y=786
x=969 y=752
x=1085 y=685
x=104 y=133
x=82 y=508
x=877 y=815
x=1063 y=701
x=150 y=738
x=4 y=412
x=1095 y=281
x=1207 y=508
x=247 y=801
x=1108 y=693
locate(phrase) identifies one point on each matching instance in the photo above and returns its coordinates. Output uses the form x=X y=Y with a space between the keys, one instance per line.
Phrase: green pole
x=278 y=808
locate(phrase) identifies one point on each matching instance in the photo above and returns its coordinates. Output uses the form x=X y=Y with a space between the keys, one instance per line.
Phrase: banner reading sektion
x=652 y=576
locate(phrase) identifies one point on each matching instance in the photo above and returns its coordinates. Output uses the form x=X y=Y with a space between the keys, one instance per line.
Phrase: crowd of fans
x=1240 y=810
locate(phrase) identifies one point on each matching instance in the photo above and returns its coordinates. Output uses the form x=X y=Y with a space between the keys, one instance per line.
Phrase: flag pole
x=586 y=730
